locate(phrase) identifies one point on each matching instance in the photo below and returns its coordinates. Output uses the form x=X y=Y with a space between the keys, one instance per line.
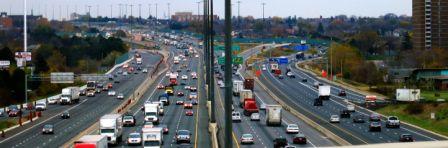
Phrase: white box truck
x=245 y=94
x=324 y=92
x=273 y=115
x=70 y=95
x=237 y=87
x=91 y=141
x=111 y=125
x=408 y=95
x=152 y=137
x=152 y=112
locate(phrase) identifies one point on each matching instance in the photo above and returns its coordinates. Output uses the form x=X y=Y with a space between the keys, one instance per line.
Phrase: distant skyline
x=283 y=8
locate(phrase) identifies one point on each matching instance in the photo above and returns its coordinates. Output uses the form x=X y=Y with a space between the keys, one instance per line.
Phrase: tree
x=407 y=42
x=6 y=54
x=320 y=28
x=56 y=62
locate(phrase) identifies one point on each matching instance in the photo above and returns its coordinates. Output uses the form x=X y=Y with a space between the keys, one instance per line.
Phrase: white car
x=184 y=77
x=221 y=84
x=168 y=74
x=263 y=67
x=134 y=139
x=236 y=116
x=255 y=117
x=145 y=70
x=125 y=73
x=292 y=129
x=53 y=101
x=334 y=119
x=247 y=139
x=197 y=56
x=187 y=87
x=111 y=93
x=41 y=106
x=120 y=96
x=193 y=95
x=263 y=106
x=193 y=74
x=351 y=107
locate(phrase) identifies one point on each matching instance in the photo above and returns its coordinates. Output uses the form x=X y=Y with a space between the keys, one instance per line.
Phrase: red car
x=299 y=139
x=189 y=113
x=109 y=85
x=14 y=113
x=188 y=105
x=180 y=93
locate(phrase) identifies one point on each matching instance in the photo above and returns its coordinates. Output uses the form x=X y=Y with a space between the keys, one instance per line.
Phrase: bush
x=414 y=109
x=442 y=114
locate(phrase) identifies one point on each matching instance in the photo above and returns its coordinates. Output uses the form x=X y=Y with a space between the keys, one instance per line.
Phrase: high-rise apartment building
x=430 y=20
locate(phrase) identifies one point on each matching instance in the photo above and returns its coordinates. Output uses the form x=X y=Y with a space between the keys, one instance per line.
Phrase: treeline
x=55 y=54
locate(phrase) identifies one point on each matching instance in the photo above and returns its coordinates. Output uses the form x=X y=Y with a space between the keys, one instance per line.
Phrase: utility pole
x=149 y=11
x=228 y=74
x=169 y=14
x=331 y=60
x=156 y=13
x=119 y=11
x=88 y=21
x=97 y=11
x=206 y=46
x=212 y=66
x=110 y=11
x=263 y=4
x=238 y=19
x=199 y=3
x=139 y=11
x=25 y=45
x=53 y=14
x=126 y=11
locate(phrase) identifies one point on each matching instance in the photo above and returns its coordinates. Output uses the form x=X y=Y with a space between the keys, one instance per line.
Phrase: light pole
x=199 y=3
x=149 y=10
x=156 y=13
x=25 y=47
x=263 y=4
x=212 y=67
x=228 y=74
x=169 y=14
x=139 y=11
x=110 y=11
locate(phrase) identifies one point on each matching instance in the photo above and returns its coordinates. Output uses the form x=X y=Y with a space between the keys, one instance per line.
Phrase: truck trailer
x=273 y=115
x=111 y=125
x=70 y=95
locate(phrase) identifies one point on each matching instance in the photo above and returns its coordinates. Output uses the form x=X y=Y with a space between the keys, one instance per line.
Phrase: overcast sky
x=300 y=8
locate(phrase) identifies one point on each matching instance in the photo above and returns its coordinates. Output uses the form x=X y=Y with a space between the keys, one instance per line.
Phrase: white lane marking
x=41 y=122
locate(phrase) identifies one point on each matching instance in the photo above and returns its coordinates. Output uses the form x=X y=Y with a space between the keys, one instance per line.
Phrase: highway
x=84 y=114
x=300 y=96
x=174 y=115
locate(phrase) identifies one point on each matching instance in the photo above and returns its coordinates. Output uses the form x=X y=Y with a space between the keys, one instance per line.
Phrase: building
x=430 y=20
x=438 y=76
x=188 y=17
x=8 y=21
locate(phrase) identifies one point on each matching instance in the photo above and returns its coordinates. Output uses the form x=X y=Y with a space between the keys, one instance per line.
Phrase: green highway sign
x=235 y=60
x=221 y=47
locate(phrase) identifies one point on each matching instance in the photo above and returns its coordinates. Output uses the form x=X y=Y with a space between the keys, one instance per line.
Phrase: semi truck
x=152 y=112
x=408 y=95
x=70 y=95
x=249 y=83
x=250 y=106
x=324 y=92
x=91 y=141
x=244 y=94
x=152 y=137
x=273 y=115
x=237 y=87
x=111 y=125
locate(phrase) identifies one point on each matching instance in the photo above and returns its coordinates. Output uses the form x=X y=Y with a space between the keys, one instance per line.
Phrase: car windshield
x=150 y=114
x=128 y=117
x=247 y=136
x=107 y=131
x=48 y=126
x=151 y=143
x=293 y=126
x=183 y=132
x=393 y=118
x=134 y=135
x=406 y=136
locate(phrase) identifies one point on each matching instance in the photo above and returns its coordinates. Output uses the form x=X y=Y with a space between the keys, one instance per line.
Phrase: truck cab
x=250 y=106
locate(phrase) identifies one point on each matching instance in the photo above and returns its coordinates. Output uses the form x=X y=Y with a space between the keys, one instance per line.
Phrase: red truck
x=277 y=72
x=173 y=79
x=250 y=106
x=249 y=83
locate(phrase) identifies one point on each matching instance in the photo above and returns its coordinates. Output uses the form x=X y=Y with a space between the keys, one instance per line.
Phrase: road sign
x=282 y=60
x=94 y=77
x=4 y=64
x=235 y=60
x=62 y=77
x=234 y=47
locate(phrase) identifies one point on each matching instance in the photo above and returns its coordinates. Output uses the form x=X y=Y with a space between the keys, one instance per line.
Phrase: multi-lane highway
x=300 y=95
x=84 y=114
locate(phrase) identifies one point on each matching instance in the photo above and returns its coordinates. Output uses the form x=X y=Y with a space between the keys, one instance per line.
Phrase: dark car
x=82 y=92
x=342 y=93
x=375 y=117
x=280 y=142
x=65 y=115
x=358 y=119
x=318 y=102
x=406 y=138
x=280 y=76
x=299 y=139
x=304 y=80
x=179 y=70
x=14 y=113
x=375 y=126
x=345 y=113
x=194 y=102
x=164 y=128
x=183 y=136
x=48 y=129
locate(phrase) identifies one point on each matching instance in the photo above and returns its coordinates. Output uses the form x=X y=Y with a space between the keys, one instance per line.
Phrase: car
x=255 y=117
x=164 y=128
x=41 y=106
x=48 y=129
x=187 y=87
x=65 y=115
x=128 y=120
x=110 y=85
x=351 y=108
x=236 y=116
x=263 y=68
x=406 y=138
x=14 y=113
x=221 y=84
x=179 y=70
x=290 y=146
x=189 y=113
x=193 y=95
x=183 y=136
x=134 y=138
x=111 y=93
x=342 y=93
x=375 y=117
x=160 y=86
x=188 y=105
x=280 y=142
x=120 y=96
x=345 y=114
x=262 y=106
x=299 y=138
x=168 y=74
x=193 y=89
x=53 y=101
x=194 y=101
x=392 y=122
x=290 y=74
x=304 y=80
x=179 y=101
x=184 y=77
x=358 y=119
x=125 y=73
x=180 y=94
x=139 y=68
x=292 y=129
x=280 y=76
x=116 y=81
x=148 y=124
x=105 y=88
x=145 y=70
x=375 y=126
x=334 y=119
x=98 y=90
x=247 y=139
x=82 y=92
x=318 y=102
x=196 y=56
x=2 y=113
